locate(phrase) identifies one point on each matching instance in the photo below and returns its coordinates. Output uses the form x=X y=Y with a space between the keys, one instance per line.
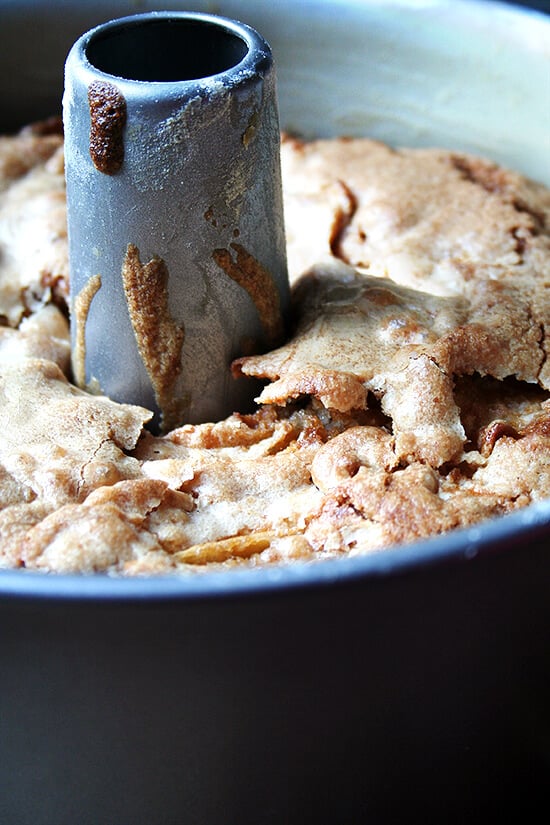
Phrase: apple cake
x=411 y=398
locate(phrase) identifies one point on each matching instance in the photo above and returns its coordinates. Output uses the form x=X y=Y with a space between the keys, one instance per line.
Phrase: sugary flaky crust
x=358 y=334
x=33 y=231
x=447 y=272
x=44 y=334
x=411 y=399
x=58 y=442
x=429 y=219
x=440 y=222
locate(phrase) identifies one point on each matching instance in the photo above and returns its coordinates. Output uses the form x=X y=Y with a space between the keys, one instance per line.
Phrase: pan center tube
x=175 y=217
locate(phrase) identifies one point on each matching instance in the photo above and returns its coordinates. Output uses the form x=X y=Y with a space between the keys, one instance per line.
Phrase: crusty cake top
x=410 y=398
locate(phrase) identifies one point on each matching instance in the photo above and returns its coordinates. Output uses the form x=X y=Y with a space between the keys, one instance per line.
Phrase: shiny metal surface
x=175 y=209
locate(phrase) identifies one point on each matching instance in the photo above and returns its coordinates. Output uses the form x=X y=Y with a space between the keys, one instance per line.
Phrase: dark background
x=542 y=5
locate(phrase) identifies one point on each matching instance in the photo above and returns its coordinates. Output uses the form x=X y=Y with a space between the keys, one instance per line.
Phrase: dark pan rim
x=511 y=533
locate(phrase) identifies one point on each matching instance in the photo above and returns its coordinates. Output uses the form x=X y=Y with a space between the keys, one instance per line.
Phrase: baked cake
x=412 y=397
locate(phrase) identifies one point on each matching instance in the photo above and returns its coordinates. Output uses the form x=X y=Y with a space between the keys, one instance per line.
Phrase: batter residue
x=159 y=338
x=81 y=309
x=258 y=282
x=107 y=121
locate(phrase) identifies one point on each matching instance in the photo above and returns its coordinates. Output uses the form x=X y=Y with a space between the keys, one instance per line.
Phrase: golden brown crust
x=435 y=221
x=58 y=441
x=451 y=258
x=44 y=334
x=33 y=233
x=411 y=399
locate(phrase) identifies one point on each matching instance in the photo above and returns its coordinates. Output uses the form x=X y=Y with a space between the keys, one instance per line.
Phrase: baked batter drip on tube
x=175 y=218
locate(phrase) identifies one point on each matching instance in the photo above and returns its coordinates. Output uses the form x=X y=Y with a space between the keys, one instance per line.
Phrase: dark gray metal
x=172 y=154
x=415 y=695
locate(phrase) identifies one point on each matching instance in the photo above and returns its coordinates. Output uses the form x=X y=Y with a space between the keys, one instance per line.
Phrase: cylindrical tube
x=175 y=218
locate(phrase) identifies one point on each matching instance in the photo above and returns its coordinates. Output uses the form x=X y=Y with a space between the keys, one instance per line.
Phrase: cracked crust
x=358 y=334
x=412 y=398
x=428 y=266
x=59 y=443
x=440 y=222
